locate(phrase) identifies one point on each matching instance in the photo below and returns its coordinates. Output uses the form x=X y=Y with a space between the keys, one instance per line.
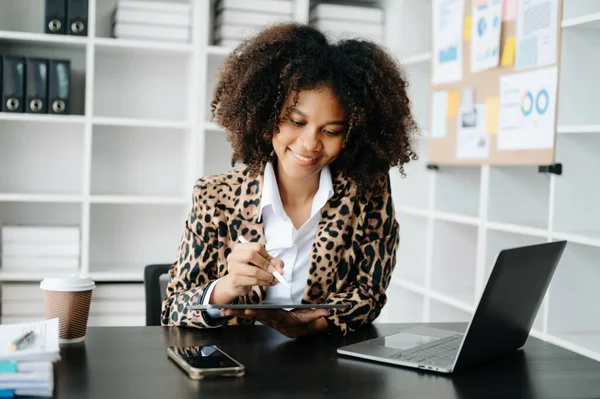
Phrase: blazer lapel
x=331 y=241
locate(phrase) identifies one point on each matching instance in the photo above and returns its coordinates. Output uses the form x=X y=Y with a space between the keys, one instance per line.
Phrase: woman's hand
x=248 y=265
x=292 y=324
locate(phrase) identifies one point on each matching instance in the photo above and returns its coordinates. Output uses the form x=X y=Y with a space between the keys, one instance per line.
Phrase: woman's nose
x=311 y=141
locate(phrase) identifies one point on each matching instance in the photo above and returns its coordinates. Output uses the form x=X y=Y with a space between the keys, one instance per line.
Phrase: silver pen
x=277 y=275
x=22 y=341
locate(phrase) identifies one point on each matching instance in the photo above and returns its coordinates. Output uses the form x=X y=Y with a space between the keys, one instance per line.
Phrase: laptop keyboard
x=441 y=352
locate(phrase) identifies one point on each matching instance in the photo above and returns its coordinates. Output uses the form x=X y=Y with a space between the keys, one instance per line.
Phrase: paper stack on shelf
x=348 y=22
x=152 y=20
x=236 y=20
x=40 y=248
x=28 y=370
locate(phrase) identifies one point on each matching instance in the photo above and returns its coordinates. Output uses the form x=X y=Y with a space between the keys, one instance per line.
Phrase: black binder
x=13 y=83
x=55 y=17
x=59 y=86
x=1 y=79
x=36 y=85
x=77 y=17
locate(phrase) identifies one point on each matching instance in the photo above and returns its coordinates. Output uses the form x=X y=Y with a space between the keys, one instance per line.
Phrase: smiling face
x=311 y=137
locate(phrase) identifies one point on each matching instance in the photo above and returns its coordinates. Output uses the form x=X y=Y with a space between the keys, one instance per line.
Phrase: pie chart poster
x=528 y=110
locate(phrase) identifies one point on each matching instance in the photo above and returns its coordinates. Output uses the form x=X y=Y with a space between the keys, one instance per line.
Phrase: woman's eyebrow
x=297 y=111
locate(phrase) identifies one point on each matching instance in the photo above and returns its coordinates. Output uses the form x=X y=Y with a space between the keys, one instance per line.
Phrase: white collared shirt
x=282 y=240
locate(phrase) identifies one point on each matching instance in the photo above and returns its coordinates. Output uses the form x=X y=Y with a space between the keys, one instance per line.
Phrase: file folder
x=36 y=85
x=1 y=79
x=13 y=83
x=59 y=86
x=55 y=16
x=77 y=17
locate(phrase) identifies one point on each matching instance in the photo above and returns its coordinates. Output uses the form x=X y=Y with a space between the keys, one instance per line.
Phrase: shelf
x=151 y=87
x=517 y=229
x=575 y=129
x=411 y=256
x=456 y=218
x=218 y=50
x=117 y=276
x=578 y=239
x=212 y=126
x=579 y=84
x=126 y=46
x=412 y=191
x=519 y=195
x=417 y=59
x=43 y=38
x=403 y=306
x=407 y=285
x=217 y=153
x=125 y=238
x=442 y=312
x=51 y=198
x=576 y=210
x=134 y=161
x=454 y=260
x=407 y=210
x=574 y=295
x=457 y=190
x=589 y=21
x=44 y=160
x=150 y=200
x=97 y=277
x=45 y=118
x=135 y=122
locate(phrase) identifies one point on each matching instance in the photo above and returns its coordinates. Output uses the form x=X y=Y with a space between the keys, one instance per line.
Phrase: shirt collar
x=270 y=192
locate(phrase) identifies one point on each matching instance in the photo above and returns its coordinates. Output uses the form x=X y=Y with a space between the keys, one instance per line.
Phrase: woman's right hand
x=248 y=264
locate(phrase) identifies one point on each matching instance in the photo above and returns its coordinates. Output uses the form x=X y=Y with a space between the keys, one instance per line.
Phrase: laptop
x=501 y=323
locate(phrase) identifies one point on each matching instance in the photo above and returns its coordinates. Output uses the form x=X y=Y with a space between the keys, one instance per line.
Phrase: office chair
x=156 y=279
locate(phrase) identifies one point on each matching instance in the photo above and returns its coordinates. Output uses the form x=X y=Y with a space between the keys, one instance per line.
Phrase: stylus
x=277 y=275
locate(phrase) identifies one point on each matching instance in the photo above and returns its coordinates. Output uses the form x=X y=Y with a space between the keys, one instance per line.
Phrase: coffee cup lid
x=70 y=283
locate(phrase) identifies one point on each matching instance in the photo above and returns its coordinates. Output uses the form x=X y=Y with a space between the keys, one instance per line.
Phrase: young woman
x=317 y=125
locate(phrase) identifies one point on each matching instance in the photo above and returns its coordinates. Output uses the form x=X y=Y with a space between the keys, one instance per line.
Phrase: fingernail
x=271 y=268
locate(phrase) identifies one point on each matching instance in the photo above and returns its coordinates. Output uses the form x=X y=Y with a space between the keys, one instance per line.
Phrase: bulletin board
x=486 y=89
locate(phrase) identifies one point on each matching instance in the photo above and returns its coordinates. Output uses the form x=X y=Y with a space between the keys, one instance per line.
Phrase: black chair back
x=155 y=291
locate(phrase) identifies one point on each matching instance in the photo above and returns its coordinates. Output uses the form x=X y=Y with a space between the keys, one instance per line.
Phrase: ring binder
x=59 y=86
x=55 y=16
x=13 y=82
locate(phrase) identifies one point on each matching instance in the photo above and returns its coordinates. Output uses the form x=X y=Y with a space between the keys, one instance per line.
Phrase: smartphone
x=205 y=361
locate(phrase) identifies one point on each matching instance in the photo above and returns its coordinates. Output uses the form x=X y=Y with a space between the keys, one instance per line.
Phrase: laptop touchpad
x=403 y=340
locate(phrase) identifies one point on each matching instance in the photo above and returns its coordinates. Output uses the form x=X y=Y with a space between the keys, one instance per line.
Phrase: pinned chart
x=527 y=110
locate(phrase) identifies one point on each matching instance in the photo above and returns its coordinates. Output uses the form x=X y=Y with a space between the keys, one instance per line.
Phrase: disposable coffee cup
x=68 y=298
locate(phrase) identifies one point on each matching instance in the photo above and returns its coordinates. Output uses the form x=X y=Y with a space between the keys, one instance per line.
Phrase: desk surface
x=131 y=362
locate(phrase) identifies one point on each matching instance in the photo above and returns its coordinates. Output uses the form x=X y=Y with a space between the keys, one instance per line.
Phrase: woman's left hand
x=292 y=324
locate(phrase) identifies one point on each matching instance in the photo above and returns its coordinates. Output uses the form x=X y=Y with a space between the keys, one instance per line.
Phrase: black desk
x=131 y=362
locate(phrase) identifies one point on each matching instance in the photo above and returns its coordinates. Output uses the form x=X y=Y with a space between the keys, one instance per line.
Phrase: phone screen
x=204 y=357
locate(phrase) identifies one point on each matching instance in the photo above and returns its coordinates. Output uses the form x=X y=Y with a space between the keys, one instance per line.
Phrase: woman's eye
x=296 y=123
x=329 y=133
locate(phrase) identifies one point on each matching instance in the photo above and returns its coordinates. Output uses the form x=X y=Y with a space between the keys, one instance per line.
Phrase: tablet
x=262 y=306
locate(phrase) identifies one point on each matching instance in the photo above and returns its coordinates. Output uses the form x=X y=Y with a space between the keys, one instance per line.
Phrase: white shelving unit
x=461 y=217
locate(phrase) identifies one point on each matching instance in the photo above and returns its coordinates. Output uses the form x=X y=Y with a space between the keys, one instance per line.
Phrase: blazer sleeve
x=375 y=262
x=195 y=269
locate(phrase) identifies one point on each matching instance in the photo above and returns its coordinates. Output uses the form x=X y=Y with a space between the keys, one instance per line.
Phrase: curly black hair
x=284 y=59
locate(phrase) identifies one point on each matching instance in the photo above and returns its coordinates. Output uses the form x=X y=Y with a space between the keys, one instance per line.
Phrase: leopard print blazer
x=353 y=254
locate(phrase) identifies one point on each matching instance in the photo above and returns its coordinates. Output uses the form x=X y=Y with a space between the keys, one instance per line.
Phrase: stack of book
x=153 y=20
x=236 y=20
x=27 y=352
x=40 y=248
x=348 y=22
